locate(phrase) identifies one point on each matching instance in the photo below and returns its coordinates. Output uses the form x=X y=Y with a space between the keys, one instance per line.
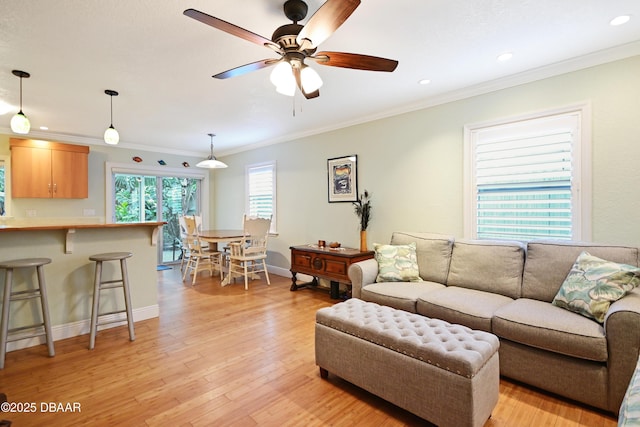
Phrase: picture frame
x=342 y=173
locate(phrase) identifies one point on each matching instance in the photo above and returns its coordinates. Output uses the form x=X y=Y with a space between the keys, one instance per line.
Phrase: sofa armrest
x=361 y=274
x=622 y=329
x=629 y=415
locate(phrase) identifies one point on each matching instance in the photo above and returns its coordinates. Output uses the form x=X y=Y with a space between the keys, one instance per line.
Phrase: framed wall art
x=343 y=179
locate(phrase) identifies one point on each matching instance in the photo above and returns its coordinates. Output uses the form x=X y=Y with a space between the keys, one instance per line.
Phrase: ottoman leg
x=324 y=373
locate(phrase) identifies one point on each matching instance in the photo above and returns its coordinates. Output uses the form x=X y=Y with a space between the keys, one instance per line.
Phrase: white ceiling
x=161 y=62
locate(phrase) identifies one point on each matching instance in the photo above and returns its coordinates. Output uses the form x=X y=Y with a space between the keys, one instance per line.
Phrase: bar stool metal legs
x=100 y=285
x=10 y=296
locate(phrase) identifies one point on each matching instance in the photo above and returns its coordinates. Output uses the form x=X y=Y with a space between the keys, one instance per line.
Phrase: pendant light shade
x=211 y=162
x=111 y=135
x=20 y=123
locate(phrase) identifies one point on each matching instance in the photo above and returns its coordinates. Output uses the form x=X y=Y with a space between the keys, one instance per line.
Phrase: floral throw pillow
x=593 y=284
x=397 y=263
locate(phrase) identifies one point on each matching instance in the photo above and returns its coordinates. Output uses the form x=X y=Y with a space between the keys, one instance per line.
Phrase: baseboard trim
x=287 y=273
x=82 y=327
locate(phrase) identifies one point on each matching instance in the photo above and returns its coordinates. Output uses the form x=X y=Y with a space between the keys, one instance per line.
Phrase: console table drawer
x=301 y=260
x=336 y=267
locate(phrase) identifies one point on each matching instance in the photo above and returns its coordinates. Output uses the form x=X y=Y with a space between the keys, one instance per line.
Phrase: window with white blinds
x=261 y=191
x=526 y=179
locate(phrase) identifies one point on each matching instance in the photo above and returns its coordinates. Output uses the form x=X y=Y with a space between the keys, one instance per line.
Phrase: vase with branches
x=362 y=208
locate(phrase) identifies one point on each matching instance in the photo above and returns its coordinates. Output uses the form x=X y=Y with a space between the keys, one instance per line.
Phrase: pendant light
x=211 y=162
x=20 y=122
x=111 y=135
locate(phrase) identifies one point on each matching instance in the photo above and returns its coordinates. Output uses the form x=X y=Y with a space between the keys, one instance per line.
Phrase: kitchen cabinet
x=47 y=169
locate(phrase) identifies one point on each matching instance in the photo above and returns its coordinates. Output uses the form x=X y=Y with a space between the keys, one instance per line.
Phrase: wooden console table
x=326 y=263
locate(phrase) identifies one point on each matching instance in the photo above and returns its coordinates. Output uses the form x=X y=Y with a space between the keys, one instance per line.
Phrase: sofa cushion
x=545 y=326
x=467 y=307
x=486 y=265
x=593 y=284
x=433 y=252
x=397 y=263
x=549 y=262
x=400 y=295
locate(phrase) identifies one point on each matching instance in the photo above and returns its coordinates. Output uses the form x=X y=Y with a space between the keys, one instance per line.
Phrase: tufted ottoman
x=447 y=374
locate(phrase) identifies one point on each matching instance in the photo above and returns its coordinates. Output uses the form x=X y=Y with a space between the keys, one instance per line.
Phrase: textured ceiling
x=161 y=62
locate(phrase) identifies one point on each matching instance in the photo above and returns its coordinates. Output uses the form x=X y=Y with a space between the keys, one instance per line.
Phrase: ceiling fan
x=295 y=43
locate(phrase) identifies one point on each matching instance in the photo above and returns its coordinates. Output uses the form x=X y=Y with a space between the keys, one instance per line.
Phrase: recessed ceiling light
x=424 y=81
x=505 y=56
x=44 y=128
x=619 y=20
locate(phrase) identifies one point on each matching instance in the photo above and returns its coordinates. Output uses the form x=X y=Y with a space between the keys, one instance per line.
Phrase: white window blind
x=524 y=187
x=261 y=191
x=526 y=176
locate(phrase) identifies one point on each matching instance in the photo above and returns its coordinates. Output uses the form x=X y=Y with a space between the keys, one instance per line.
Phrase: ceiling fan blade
x=355 y=60
x=247 y=68
x=325 y=21
x=227 y=27
x=296 y=74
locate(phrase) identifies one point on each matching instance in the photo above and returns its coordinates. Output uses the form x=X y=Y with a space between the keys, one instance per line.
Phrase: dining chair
x=198 y=218
x=199 y=259
x=248 y=256
x=184 y=244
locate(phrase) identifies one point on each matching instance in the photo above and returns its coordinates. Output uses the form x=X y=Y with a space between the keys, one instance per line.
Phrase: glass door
x=148 y=198
x=180 y=196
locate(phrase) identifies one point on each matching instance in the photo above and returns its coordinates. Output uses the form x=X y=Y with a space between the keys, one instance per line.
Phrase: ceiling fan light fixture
x=282 y=74
x=283 y=79
x=288 y=89
x=296 y=42
x=20 y=123
x=211 y=162
x=111 y=135
x=310 y=79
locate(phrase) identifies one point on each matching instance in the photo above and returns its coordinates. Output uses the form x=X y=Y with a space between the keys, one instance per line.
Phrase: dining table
x=214 y=236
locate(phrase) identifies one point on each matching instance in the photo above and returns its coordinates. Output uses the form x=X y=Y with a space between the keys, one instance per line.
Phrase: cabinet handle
x=55 y=188
x=318 y=263
x=49 y=188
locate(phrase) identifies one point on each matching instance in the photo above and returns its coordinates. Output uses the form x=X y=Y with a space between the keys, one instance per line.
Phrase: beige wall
x=413 y=164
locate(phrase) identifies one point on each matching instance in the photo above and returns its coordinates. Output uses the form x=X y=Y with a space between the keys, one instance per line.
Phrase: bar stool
x=10 y=296
x=100 y=285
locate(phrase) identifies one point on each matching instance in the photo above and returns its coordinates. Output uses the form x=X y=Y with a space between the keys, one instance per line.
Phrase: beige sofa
x=506 y=288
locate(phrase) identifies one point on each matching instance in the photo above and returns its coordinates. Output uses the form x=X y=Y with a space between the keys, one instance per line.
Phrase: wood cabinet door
x=69 y=174
x=30 y=172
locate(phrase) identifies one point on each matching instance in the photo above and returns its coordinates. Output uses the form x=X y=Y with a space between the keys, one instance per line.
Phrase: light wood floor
x=226 y=356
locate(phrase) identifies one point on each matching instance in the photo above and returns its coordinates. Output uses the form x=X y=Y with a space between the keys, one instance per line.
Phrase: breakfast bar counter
x=70 y=274
x=70 y=229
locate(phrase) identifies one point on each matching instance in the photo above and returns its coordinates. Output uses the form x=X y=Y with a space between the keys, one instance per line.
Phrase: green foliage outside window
x=136 y=200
